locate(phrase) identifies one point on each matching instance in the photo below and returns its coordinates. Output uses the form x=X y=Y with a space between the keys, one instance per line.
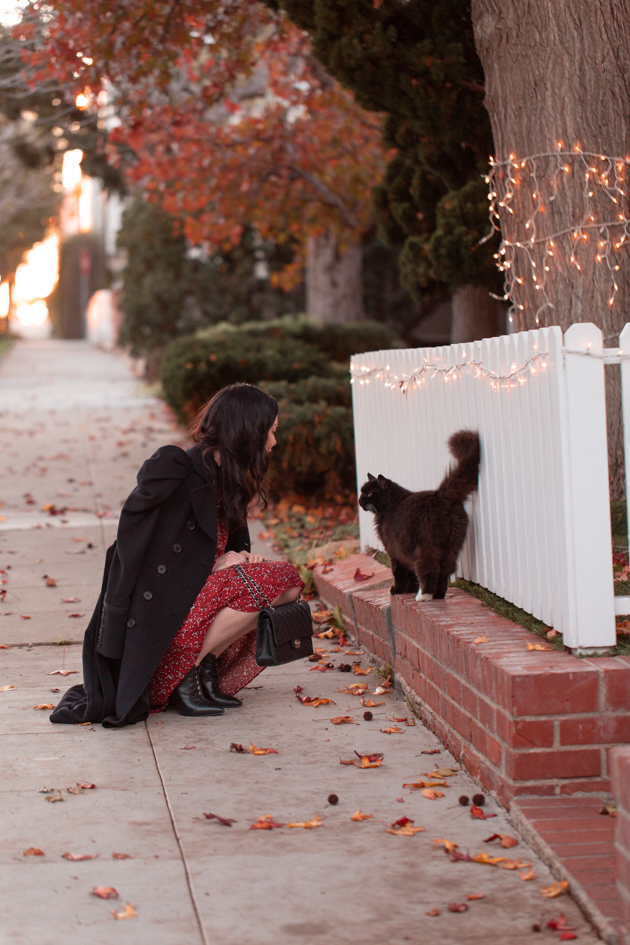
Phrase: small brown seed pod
x=332 y=799
x=464 y=800
x=479 y=800
x=368 y=716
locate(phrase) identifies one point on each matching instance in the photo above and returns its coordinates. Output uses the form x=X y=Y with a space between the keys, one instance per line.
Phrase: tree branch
x=327 y=195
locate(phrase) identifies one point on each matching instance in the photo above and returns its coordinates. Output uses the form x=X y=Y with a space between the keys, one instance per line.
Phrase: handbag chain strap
x=252 y=587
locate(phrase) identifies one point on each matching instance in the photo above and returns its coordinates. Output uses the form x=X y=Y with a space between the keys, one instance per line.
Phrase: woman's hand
x=235 y=557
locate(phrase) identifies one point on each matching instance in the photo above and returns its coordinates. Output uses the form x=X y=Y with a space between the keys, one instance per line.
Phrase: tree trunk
x=334 y=280
x=476 y=315
x=556 y=88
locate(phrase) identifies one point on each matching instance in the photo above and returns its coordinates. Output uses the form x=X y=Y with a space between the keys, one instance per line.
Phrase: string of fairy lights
x=533 y=238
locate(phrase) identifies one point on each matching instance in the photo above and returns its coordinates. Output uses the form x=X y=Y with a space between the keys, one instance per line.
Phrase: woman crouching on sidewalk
x=176 y=620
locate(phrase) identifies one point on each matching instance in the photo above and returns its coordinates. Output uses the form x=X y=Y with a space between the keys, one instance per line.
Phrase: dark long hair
x=236 y=422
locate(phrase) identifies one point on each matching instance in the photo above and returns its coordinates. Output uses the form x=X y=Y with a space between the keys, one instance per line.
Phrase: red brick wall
x=524 y=723
x=620 y=770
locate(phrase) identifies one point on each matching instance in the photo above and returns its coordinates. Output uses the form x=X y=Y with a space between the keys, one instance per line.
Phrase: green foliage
x=193 y=369
x=335 y=391
x=417 y=63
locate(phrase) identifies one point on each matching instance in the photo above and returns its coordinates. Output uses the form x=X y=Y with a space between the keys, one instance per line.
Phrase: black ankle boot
x=189 y=698
x=210 y=684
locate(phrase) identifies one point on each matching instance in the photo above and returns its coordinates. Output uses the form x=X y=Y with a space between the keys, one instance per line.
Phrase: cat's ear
x=382 y=478
x=371 y=477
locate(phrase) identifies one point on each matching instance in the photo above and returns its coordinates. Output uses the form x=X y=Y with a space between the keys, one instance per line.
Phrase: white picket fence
x=540 y=533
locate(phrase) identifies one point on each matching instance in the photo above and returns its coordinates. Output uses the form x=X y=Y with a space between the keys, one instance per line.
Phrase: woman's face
x=271 y=439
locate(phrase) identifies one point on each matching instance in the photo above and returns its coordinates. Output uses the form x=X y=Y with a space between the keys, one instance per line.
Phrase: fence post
x=593 y=628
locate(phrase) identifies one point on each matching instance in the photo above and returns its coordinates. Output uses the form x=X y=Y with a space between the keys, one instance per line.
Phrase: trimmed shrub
x=335 y=391
x=193 y=369
x=315 y=451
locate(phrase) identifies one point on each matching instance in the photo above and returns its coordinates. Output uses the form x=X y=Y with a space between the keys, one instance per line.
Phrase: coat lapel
x=204 y=502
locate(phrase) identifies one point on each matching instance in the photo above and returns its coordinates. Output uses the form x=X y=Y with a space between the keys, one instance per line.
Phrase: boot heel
x=189 y=699
x=209 y=679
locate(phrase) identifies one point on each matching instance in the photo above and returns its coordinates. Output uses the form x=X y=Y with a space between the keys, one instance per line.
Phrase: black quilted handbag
x=284 y=633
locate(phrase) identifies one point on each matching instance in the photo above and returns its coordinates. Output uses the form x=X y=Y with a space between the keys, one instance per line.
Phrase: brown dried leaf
x=234 y=746
x=261 y=751
x=52 y=798
x=322 y=616
x=407 y=831
x=50 y=582
x=86 y=785
x=527 y=874
x=457 y=907
x=449 y=845
x=538 y=646
x=556 y=889
x=506 y=840
x=105 y=892
x=309 y=824
x=343 y=720
x=482 y=639
x=33 y=851
x=265 y=822
x=370 y=703
x=226 y=821
x=393 y=730
x=129 y=913
x=433 y=912
x=358 y=815
x=6 y=688
x=476 y=896
x=489 y=860
x=356 y=669
x=44 y=705
x=431 y=751
x=121 y=856
x=431 y=795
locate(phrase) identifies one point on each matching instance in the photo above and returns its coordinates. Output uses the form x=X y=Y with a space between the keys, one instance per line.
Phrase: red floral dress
x=237 y=665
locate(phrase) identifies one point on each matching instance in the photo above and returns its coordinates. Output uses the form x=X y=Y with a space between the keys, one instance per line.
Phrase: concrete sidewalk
x=74 y=429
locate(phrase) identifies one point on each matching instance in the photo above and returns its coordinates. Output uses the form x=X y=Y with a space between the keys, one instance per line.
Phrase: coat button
x=161 y=569
x=190 y=526
x=147 y=595
x=177 y=549
x=131 y=623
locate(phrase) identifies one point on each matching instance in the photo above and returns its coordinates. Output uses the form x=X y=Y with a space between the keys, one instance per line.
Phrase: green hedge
x=193 y=369
x=335 y=391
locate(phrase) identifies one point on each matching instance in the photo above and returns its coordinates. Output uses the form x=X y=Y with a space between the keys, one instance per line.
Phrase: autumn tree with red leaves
x=231 y=123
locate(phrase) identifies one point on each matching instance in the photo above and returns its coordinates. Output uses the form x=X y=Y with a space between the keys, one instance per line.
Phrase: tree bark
x=556 y=72
x=334 y=280
x=476 y=315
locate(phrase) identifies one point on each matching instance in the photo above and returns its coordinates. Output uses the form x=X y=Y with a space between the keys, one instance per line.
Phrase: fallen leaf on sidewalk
x=265 y=823
x=6 y=688
x=343 y=720
x=105 y=892
x=488 y=860
x=25 y=616
x=402 y=822
x=567 y=936
x=308 y=824
x=360 y=816
x=556 y=889
x=313 y=703
x=431 y=751
x=456 y=856
x=70 y=600
x=527 y=874
x=234 y=746
x=515 y=865
x=476 y=896
x=226 y=821
x=506 y=841
x=261 y=751
x=33 y=851
x=393 y=730
x=356 y=669
x=560 y=925
x=355 y=653
x=129 y=913
x=76 y=615
x=380 y=690
x=86 y=785
x=50 y=582
x=121 y=856
x=457 y=907
x=365 y=761
x=370 y=703
x=449 y=845
x=477 y=814
x=354 y=689
x=482 y=639
x=406 y=831
x=431 y=795
x=537 y=646
x=360 y=576
x=75 y=857
x=321 y=669
x=433 y=912
x=52 y=798
x=64 y=672
x=44 y=705
x=419 y=784
x=321 y=616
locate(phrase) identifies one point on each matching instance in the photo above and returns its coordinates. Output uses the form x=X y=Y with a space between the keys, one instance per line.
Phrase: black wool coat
x=163 y=553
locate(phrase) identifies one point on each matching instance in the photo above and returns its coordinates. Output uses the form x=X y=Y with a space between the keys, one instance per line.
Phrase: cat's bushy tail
x=462 y=478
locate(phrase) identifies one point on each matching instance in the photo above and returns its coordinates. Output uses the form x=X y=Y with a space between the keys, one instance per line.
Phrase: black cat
x=423 y=532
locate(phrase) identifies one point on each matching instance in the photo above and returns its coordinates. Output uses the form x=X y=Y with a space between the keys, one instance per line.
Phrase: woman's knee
x=286 y=597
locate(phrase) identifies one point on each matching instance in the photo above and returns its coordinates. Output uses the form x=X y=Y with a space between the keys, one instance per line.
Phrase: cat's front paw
x=420 y=596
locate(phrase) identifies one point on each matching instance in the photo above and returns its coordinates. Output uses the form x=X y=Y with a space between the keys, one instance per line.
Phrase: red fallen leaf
x=377 y=756
x=105 y=892
x=457 y=907
x=567 y=936
x=401 y=822
x=234 y=746
x=50 y=582
x=121 y=856
x=476 y=812
x=265 y=823
x=560 y=924
x=75 y=857
x=476 y=896
x=76 y=615
x=343 y=720
x=33 y=851
x=25 y=616
x=86 y=785
x=63 y=672
x=431 y=751
x=253 y=750
x=463 y=857
x=321 y=669
x=191 y=748
x=360 y=576
x=433 y=912
x=226 y=821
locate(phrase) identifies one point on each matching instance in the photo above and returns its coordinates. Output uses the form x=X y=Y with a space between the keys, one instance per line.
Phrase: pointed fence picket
x=540 y=530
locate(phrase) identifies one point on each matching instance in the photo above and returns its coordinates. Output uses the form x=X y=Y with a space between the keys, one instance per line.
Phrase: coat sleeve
x=239 y=540
x=158 y=478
